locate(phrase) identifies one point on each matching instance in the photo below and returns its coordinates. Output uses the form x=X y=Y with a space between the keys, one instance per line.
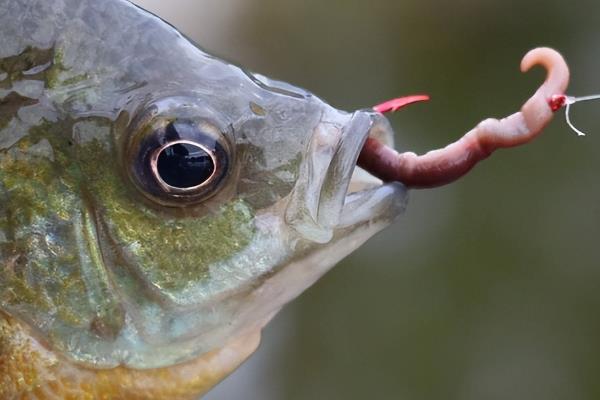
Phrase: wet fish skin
x=110 y=287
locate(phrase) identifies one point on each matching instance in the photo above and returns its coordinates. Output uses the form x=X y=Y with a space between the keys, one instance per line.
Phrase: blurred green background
x=486 y=289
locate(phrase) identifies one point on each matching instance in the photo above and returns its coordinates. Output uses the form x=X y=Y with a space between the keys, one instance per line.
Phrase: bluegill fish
x=160 y=205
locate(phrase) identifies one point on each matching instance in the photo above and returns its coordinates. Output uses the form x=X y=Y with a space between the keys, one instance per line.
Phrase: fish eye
x=183 y=165
x=179 y=162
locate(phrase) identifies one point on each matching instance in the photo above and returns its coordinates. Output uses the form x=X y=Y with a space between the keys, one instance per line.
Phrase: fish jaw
x=332 y=192
x=334 y=209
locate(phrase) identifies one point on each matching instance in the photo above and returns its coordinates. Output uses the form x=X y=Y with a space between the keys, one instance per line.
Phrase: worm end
x=557 y=78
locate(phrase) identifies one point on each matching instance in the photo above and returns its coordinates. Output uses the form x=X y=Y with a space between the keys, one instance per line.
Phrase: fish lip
x=318 y=205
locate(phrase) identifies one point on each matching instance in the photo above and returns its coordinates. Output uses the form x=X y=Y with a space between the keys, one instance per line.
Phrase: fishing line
x=559 y=101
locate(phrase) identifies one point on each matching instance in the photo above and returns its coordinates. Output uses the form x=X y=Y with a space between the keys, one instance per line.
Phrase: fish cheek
x=162 y=247
x=41 y=280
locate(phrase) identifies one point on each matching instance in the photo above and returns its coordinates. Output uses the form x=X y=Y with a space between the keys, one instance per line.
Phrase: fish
x=159 y=205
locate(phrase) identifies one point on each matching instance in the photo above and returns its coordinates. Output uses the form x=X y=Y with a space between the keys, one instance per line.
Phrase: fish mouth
x=332 y=193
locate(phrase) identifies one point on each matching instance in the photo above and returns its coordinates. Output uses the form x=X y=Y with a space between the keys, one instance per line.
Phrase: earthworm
x=442 y=166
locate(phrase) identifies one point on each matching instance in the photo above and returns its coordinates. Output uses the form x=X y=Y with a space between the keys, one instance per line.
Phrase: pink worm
x=439 y=167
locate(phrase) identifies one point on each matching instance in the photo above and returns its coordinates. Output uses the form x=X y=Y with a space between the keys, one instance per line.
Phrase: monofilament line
x=572 y=100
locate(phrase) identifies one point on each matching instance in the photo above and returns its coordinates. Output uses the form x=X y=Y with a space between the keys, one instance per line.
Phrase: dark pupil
x=184 y=165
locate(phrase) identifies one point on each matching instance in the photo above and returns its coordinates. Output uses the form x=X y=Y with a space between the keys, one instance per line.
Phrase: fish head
x=158 y=202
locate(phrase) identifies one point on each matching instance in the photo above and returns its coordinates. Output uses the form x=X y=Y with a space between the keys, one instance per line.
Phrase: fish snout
x=329 y=177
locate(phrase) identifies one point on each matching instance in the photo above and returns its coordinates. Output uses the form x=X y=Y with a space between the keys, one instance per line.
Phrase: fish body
x=158 y=205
